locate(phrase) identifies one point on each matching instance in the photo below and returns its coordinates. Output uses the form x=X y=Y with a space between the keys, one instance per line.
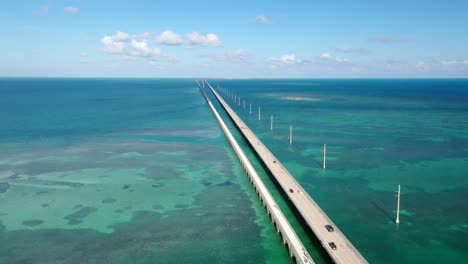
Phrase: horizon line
x=229 y=78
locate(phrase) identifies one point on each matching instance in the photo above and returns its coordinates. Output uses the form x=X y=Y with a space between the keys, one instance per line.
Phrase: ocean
x=139 y=171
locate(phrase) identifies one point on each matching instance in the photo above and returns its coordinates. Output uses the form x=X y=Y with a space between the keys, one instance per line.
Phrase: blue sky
x=234 y=39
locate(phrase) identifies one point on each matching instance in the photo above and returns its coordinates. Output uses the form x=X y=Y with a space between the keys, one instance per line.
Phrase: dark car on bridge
x=332 y=245
x=329 y=228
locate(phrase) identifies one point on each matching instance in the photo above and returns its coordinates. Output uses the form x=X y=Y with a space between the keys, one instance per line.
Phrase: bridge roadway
x=290 y=239
x=313 y=215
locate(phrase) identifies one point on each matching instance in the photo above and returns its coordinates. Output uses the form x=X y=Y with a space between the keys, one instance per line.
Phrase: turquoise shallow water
x=122 y=171
x=138 y=171
x=379 y=133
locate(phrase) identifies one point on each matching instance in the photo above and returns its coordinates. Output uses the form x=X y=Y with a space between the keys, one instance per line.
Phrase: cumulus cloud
x=71 y=10
x=195 y=39
x=142 y=36
x=121 y=36
x=131 y=47
x=113 y=44
x=388 y=40
x=261 y=19
x=141 y=49
x=351 y=50
x=286 y=59
x=168 y=37
x=289 y=59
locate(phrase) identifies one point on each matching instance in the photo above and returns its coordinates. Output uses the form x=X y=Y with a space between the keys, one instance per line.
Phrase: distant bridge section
x=290 y=239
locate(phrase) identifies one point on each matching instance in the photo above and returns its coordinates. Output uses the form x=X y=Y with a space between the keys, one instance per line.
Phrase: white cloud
x=115 y=43
x=121 y=36
x=112 y=45
x=289 y=59
x=168 y=37
x=71 y=10
x=141 y=46
x=131 y=46
x=195 y=39
x=261 y=19
x=286 y=59
x=83 y=54
x=142 y=36
x=141 y=49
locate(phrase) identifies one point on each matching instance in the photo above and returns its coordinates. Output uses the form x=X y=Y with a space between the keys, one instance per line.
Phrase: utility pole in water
x=290 y=135
x=324 y=156
x=398 y=206
x=271 y=122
